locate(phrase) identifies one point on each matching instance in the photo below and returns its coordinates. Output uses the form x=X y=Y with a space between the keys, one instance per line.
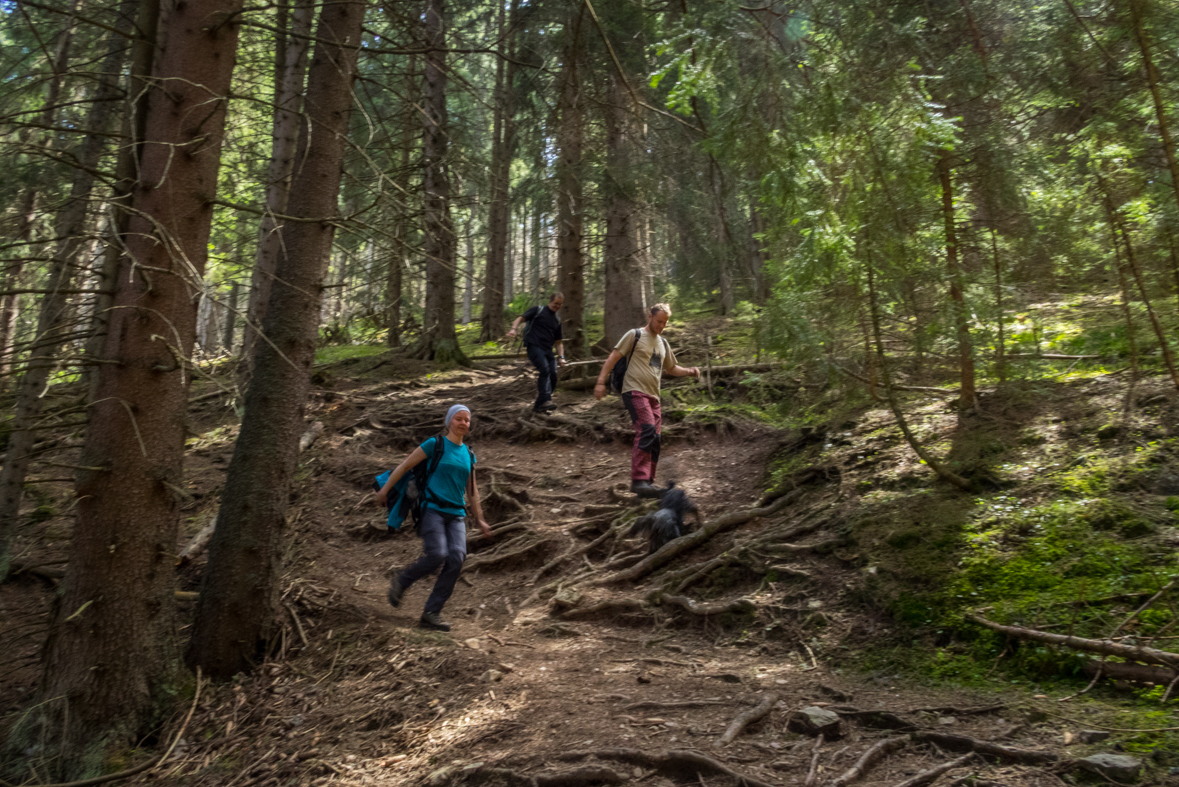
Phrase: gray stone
x=815 y=721
x=1118 y=767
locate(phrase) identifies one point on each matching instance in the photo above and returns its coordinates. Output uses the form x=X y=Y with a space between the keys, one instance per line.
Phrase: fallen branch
x=813 y=772
x=312 y=434
x=743 y=720
x=1104 y=647
x=869 y=760
x=677 y=763
x=198 y=542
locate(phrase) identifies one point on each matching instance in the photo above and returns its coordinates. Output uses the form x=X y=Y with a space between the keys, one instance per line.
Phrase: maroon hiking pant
x=648 y=421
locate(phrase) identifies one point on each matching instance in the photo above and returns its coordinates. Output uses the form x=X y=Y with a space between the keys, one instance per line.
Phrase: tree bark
x=1136 y=271
x=109 y=658
x=1152 y=82
x=937 y=467
x=143 y=52
x=51 y=320
x=624 y=293
x=394 y=284
x=10 y=302
x=503 y=149
x=967 y=397
x=239 y=591
x=570 y=136
x=288 y=97
x=438 y=340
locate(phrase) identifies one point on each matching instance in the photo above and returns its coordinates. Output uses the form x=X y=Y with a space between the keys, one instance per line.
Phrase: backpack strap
x=634 y=346
x=435 y=459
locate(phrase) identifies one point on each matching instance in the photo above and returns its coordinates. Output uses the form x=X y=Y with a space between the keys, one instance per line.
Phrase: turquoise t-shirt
x=447 y=488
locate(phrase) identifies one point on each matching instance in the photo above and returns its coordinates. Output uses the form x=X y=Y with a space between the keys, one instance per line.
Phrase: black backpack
x=618 y=373
x=415 y=491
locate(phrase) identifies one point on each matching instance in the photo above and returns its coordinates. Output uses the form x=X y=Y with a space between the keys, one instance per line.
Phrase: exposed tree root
x=695 y=539
x=744 y=719
x=740 y=605
x=1006 y=753
x=930 y=775
x=813 y=771
x=650 y=705
x=615 y=530
x=869 y=760
x=589 y=774
x=1131 y=652
x=676 y=763
x=611 y=607
x=504 y=555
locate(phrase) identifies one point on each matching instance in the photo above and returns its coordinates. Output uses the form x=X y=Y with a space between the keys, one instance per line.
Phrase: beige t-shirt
x=651 y=358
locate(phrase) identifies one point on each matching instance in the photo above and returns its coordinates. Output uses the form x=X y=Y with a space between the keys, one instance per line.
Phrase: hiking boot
x=395 y=593
x=645 y=489
x=432 y=620
x=547 y=407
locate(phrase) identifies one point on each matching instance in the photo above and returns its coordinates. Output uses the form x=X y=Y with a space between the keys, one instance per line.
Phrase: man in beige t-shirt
x=650 y=356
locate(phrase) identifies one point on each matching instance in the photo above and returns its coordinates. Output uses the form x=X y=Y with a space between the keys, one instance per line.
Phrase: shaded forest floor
x=562 y=668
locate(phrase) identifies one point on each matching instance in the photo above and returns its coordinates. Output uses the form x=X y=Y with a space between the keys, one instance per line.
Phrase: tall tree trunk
x=624 y=289
x=967 y=398
x=239 y=591
x=143 y=51
x=10 y=301
x=52 y=319
x=288 y=97
x=1136 y=271
x=757 y=254
x=394 y=284
x=497 y=272
x=1127 y=314
x=109 y=657
x=438 y=337
x=570 y=135
x=874 y=310
x=534 y=249
x=469 y=278
x=1152 y=80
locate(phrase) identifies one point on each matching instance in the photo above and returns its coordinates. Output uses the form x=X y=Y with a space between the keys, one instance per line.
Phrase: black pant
x=545 y=363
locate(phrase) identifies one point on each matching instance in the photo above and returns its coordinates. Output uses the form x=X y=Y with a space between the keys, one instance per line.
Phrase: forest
x=926 y=253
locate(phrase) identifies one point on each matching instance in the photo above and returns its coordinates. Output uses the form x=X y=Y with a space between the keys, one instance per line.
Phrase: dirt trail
x=357 y=694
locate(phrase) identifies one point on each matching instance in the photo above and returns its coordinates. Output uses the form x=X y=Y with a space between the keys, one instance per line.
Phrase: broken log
x=1104 y=647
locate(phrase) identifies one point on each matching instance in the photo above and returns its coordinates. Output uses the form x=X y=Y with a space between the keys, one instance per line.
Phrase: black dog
x=666 y=523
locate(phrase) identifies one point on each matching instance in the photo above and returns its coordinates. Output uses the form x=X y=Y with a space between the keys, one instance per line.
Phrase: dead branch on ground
x=1104 y=647
x=931 y=775
x=744 y=719
x=869 y=760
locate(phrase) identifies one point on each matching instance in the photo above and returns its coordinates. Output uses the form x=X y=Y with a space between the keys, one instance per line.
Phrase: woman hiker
x=443 y=526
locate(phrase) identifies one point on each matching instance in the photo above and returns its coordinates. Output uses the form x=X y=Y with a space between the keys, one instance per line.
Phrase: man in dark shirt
x=544 y=333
